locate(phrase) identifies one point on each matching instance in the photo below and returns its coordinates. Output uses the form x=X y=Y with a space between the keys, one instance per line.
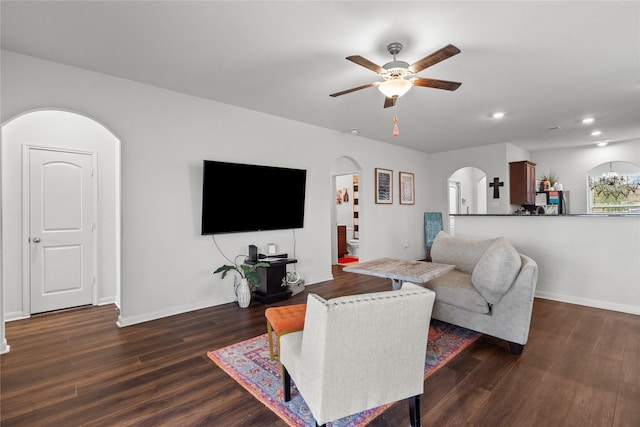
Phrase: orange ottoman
x=283 y=320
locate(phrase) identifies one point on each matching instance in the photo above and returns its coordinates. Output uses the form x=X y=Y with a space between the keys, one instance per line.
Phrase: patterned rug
x=248 y=363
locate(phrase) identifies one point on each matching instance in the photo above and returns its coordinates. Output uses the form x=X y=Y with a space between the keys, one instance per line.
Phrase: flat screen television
x=239 y=197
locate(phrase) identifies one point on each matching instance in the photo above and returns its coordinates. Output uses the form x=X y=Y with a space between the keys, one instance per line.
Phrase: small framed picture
x=407 y=190
x=384 y=181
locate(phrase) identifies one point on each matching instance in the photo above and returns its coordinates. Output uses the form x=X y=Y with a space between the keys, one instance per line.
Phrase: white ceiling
x=546 y=64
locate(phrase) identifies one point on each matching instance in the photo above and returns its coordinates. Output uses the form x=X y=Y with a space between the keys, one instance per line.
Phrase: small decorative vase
x=243 y=293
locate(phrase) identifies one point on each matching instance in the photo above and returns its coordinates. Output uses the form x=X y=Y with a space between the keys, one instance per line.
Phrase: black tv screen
x=239 y=197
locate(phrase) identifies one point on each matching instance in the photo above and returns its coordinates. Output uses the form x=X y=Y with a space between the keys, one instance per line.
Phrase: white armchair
x=360 y=352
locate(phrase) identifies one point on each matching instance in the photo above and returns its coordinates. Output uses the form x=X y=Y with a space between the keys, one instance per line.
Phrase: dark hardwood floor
x=581 y=367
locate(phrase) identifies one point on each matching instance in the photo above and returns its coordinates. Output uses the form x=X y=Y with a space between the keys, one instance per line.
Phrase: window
x=614 y=187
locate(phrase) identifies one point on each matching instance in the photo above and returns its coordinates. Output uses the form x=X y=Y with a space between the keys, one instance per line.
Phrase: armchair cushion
x=455 y=288
x=496 y=270
x=461 y=252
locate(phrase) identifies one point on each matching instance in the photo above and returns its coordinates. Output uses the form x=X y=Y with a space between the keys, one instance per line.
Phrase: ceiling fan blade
x=390 y=101
x=353 y=89
x=437 y=84
x=439 y=55
x=366 y=63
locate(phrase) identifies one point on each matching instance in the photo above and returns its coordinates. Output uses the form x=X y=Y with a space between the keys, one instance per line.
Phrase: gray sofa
x=490 y=291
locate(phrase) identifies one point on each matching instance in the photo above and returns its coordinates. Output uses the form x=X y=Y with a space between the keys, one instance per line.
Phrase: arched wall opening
x=467 y=189
x=346 y=209
x=613 y=187
x=51 y=129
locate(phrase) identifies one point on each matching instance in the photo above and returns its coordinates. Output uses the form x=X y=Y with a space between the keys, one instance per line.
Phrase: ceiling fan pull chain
x=396 y=131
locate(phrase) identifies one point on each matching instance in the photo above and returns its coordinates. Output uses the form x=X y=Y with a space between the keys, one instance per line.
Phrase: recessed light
x=588 y=120
x=601 y=143
x=498 y=115
x=354 y=131
x=596 y=133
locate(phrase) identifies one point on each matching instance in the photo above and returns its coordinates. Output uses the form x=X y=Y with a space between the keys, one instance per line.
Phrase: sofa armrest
x=513 y=313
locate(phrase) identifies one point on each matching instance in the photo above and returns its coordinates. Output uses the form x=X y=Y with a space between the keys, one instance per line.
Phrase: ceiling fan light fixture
x=395 y=87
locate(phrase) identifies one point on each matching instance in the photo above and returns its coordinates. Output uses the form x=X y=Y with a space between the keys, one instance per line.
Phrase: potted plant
x=551 y=178
x=249 y=280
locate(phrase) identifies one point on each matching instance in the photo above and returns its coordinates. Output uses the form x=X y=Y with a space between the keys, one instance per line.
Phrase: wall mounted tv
x=239 y=197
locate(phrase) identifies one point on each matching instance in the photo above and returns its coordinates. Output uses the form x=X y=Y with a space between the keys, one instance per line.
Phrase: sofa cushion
x=496 y=270
x=455 y=288
x=464 y=253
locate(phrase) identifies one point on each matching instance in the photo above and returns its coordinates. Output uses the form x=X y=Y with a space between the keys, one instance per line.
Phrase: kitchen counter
x=559 y=216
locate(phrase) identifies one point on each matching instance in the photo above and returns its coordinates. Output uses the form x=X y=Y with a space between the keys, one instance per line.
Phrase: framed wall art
x=384 y=189
x=407 y=189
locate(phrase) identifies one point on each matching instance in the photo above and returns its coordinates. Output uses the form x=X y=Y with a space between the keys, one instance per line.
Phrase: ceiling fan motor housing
x=395 y=69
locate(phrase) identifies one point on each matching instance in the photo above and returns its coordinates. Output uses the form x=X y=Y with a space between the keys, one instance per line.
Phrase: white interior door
x=61 y=223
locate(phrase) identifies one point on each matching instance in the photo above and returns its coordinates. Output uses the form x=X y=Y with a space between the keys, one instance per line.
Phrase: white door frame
x=458 y=187
x=26 y=246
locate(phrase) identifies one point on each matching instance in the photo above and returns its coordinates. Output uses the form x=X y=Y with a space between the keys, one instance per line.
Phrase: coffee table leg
x=396 y=284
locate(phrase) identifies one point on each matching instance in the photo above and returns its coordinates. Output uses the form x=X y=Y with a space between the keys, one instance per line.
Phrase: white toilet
x=352 y=244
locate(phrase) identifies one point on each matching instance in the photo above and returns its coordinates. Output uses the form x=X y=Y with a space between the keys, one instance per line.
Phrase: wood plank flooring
x=581 y=367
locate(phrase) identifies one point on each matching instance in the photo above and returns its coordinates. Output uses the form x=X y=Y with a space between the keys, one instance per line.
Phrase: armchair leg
x=515 y=348
x=286 y=384
x=414 y=411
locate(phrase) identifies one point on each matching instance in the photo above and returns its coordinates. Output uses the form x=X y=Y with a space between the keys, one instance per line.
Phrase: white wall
x=492 y=159
x=572 y=166
x=586 y=260
x=166 y=264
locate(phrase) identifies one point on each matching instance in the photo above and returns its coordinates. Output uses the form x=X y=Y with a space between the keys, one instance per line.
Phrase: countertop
x=566 y=215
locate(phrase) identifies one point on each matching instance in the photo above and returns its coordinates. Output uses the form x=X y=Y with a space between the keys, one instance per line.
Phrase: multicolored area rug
x=248 y=363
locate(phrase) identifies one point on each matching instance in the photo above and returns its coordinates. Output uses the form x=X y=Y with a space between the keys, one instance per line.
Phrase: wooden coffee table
x=401 y=270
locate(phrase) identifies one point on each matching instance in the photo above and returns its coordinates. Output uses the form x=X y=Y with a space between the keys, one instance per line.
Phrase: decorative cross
x=496 y=184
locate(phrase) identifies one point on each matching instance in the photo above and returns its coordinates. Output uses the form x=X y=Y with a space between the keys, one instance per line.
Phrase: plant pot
x=243 y=293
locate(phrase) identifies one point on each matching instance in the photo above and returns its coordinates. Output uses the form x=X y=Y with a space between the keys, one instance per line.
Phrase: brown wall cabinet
x=522 y=182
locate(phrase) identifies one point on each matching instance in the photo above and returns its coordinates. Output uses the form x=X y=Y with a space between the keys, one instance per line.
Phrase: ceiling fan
x=398 y=76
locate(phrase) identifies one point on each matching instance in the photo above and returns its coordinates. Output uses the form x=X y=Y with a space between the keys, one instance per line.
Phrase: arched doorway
x=346 y=209
x=59 y=132
x=467 y=189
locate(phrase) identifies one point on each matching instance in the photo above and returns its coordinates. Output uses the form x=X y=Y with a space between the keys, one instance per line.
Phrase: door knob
x=36 y=240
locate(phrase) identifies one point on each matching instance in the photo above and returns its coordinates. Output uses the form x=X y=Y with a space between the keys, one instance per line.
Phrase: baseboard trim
x=124 y=321
x=15 y=315
x=605 y=305
x=106 y=301
x=325 y=279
